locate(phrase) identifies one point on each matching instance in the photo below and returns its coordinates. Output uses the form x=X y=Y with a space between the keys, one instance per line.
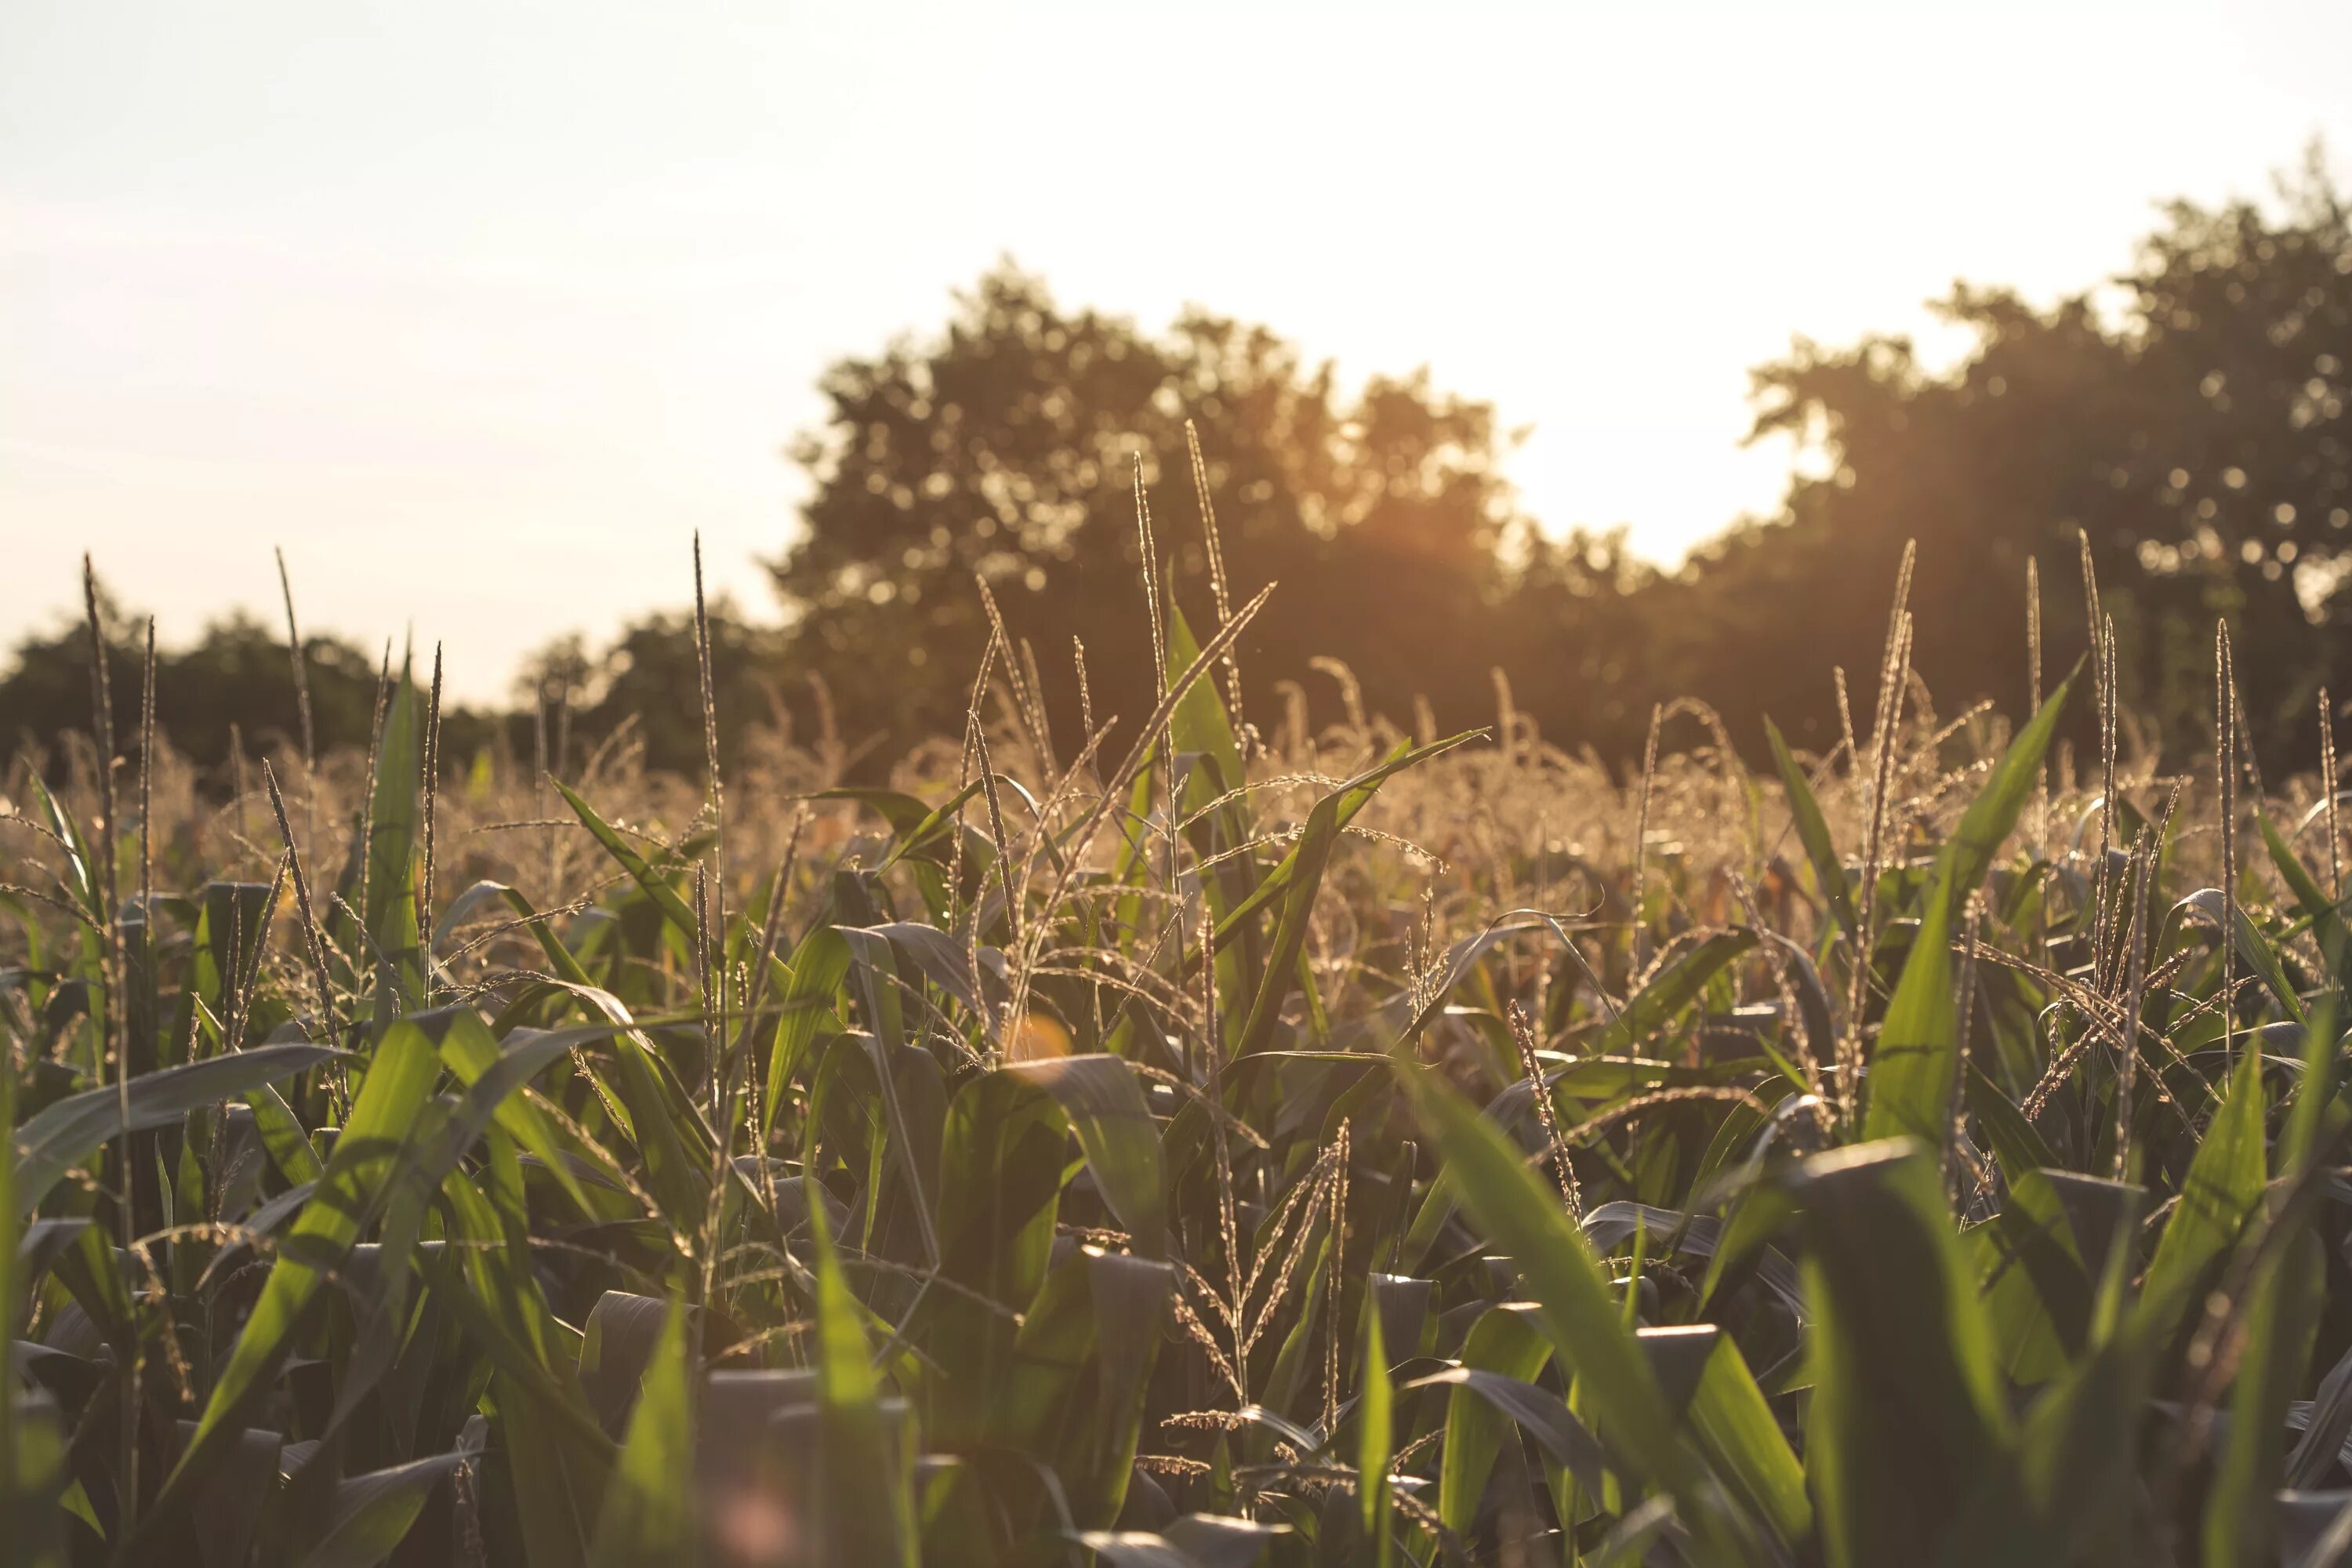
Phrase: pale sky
x=481 y=310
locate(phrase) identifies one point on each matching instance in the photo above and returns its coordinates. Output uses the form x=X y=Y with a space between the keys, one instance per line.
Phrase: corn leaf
x=647 y=1518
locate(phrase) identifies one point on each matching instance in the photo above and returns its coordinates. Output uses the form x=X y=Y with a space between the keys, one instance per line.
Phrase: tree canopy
x=1008 y=449
x=2187 y=420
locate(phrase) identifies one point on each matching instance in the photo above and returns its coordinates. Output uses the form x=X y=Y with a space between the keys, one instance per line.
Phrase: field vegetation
x=1193 y=1140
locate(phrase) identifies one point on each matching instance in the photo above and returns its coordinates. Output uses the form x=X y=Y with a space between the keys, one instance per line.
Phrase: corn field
x=1178 y=1150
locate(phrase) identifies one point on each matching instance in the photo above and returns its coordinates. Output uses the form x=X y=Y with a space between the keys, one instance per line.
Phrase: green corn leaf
x=1678 y=983
x=1057 y=1336
x=83 y=878
x=1130 y=1296
x=1538 y=1412
x=1001 y=1172
x=1375 y=1440
x=394 y=811
x=1919 y=1050
x=919 y=828
x=1115 y=1131
x=1506 y=1341
x=2077 y=1451
x=1580 y=1312
x=370 y=1149
x=471 y=1053
x=2281 y=1314
x=1918 y=1053
x=230 y=1514
x=25 y=1477
x=444 y=1134
x=282 y=1138
x=656 y=886
x=1744 y=1446
x=1000 y=1179
x=1298 y=878
x=2327 y=917
x=560 y=957
x=557 y=1459
x=1346 y=803
x=1907 y=1424
x=670 y=1135
x=817 y=966
x=647 y=1519
x=52 y=1141
x=2220 y=1192
x=1199 y=723
x=370 y=1515
x=874 y=968
x=1195 y=1541
x=1813 y=832
x=868 y=1487
x=2251 y=946
x=33 y=1477
x=1986 y=824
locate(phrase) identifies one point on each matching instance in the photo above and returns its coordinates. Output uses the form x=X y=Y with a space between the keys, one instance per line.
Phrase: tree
x=2190 y=424
x=234 y=685
x=1006 y=448
x=236 y=674
x=651 y=673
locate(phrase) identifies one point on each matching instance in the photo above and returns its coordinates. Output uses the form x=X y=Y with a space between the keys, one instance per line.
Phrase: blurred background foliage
x=2186 y=419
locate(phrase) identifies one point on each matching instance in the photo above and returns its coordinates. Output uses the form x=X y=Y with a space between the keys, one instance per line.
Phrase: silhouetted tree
x=651 y=673
x=2191 y=423
x=1005 y=449
x=236 y=673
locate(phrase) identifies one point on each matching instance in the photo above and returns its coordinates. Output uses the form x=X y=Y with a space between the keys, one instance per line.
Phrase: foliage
x=223 y=702
x=1007 y=449
x=1141 y=1155
x=2187 y=422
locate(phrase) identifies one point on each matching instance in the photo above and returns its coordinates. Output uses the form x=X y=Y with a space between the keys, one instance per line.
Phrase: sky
x=482 y=309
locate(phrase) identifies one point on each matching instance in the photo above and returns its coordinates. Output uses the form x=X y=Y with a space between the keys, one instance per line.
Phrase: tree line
x=2180 y=428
